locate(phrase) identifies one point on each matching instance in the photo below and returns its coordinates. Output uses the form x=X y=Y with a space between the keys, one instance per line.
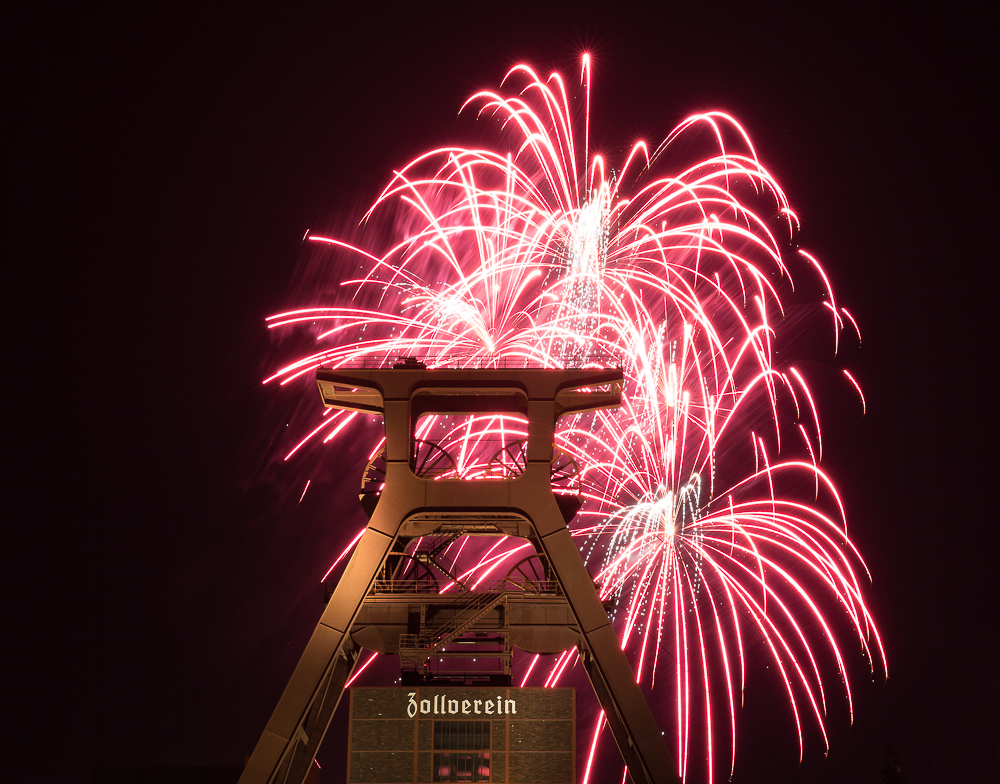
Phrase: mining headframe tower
x=389 y=597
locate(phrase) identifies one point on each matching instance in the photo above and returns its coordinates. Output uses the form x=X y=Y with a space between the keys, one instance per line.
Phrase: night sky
x=166 y=165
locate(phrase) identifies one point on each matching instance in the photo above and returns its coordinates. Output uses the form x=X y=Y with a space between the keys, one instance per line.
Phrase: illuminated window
x=461 y=751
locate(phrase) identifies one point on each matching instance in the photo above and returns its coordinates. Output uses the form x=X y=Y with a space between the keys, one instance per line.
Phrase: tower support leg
x=632 y=723
x=289 y=743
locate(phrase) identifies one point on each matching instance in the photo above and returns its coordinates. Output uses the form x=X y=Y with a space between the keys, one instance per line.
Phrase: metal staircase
x=471 y=609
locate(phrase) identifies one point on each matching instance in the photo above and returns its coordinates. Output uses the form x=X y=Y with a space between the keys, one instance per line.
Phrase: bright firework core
x=589 y=248
x=587 y=253
x=678 y=268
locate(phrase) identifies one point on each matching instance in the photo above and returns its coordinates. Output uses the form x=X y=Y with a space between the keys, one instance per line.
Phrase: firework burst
x=539 y=252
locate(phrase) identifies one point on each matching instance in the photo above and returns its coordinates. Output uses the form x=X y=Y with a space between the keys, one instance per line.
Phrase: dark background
x=165 y=165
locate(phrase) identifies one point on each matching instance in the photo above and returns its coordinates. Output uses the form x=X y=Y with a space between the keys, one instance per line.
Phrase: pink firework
x=696 y=562
x=539 y=252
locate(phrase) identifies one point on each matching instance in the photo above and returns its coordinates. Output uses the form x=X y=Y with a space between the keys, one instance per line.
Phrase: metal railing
x=428 y=586
x=474 y=362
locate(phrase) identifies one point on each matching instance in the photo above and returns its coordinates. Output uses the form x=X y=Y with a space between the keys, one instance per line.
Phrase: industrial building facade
x=470 y=734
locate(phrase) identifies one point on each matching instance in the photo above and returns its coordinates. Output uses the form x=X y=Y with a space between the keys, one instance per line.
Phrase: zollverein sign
x=448 y=705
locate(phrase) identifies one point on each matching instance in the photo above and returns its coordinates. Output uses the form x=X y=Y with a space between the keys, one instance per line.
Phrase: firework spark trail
x=539 y=253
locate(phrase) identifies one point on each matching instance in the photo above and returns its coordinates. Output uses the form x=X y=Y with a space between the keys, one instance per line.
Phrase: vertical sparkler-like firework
x=694 y=521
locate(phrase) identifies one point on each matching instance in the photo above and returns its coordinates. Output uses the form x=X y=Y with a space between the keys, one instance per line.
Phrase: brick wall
x=382 y=734
x=544 y=735
x=541 y=768
x=381 y=767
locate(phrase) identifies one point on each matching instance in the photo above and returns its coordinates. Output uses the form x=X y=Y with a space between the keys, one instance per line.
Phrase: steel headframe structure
x=412 y=506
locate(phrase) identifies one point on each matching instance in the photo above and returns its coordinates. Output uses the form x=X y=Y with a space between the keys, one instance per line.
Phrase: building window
x=461 y=751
